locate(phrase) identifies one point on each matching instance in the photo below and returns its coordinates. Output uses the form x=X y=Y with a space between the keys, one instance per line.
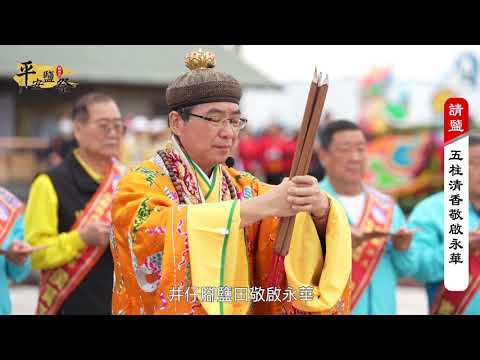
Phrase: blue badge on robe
x=247 y=192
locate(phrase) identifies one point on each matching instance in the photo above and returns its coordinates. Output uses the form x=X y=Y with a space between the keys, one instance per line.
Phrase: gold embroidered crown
x=197 y=60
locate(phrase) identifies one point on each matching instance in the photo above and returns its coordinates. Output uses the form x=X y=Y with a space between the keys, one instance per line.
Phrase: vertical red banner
x=455 y=119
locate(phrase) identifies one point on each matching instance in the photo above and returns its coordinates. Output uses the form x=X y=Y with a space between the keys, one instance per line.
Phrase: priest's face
x=474 y=171
x=346 y=158
x=206 y=132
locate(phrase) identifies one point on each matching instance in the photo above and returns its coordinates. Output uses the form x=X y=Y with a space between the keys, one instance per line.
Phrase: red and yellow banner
x=377 y=216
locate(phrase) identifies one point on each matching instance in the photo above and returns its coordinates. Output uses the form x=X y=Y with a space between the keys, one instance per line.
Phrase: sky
x=292 y=63
x=417 y=69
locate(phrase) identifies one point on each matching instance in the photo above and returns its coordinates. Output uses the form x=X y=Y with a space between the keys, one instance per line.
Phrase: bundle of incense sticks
x=301 y=162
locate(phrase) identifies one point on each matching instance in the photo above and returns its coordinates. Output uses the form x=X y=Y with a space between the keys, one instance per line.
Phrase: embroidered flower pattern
x=143 y=213
x=182 y=173
x=171 y=195
x=149 y=174
x=157 y=230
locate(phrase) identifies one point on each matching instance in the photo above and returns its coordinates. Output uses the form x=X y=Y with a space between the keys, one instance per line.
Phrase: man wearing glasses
x=68 y=211
x=192 y=235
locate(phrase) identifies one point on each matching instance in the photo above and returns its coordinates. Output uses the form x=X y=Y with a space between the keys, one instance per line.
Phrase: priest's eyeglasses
x=237 y=122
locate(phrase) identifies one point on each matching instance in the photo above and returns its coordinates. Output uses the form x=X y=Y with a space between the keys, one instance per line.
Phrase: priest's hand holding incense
x=305 y=195
x=301 y=193
x=273 y=203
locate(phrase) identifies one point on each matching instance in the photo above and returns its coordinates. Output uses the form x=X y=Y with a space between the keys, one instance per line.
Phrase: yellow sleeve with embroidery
x=330 y=276
x=41 y=228
x=305 y=266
